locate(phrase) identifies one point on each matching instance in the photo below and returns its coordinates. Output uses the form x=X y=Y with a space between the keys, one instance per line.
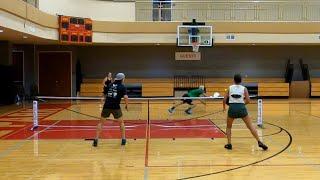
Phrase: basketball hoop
x=195 y=46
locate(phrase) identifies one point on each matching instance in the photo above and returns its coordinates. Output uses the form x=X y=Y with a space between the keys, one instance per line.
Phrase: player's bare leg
x=175 y=106
x=189 y=110
x=98 y=131
x=253 y=131
x=228 y=132
x=123 y=132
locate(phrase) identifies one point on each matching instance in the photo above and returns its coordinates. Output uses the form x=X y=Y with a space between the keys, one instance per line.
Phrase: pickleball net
x=77 y=117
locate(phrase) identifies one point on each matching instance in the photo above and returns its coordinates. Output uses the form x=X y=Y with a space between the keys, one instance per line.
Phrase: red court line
x=227 y=165
x=146 y=160
x=12 y=112
x=137 y=129
x=18 y=131
x=42 y=106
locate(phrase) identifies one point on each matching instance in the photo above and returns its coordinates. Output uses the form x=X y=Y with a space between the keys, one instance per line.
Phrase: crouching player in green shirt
x=193 y=93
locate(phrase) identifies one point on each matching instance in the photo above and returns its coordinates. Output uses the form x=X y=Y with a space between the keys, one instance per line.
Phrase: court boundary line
x=267 y=135
x=226 y=165
x=146 y=155
x=210 y=120
x=147 y=146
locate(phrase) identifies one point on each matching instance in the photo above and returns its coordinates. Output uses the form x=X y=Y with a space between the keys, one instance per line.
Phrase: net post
x=35 y=115
x=260 y=113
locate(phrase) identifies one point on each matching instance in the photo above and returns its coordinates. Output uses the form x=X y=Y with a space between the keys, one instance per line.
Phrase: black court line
x=272 y=134
x=250 y=164
x=210 y=120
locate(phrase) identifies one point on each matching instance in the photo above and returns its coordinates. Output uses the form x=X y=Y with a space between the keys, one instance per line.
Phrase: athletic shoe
x=171 y=110
x=188 y=111
x=263 y=146
x=95 y=143
x=123 y=142
x=228 y=146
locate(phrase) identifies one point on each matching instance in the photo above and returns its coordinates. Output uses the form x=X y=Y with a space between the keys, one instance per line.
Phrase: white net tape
x=99 y=98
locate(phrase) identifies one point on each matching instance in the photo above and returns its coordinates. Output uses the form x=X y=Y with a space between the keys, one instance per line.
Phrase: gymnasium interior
x=55 y=55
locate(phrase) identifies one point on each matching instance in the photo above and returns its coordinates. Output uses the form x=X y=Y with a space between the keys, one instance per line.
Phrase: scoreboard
x=75 y=30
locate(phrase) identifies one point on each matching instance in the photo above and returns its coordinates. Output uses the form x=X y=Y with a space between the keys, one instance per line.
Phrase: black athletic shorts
x=188 y=101
x=237 y=110
x=117 y=113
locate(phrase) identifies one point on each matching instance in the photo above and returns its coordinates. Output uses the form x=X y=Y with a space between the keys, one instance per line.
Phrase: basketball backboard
x=188 y=35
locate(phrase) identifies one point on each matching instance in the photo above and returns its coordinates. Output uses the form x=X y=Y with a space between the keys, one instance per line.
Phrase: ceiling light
x=25 y=37
x=1 y=30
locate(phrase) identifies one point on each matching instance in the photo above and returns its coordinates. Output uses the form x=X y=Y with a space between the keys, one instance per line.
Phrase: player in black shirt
x=113 y=93
x=108 y=79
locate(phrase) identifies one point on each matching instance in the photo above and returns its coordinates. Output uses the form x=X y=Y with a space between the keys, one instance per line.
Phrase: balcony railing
x=35 y=3
x=223 y=10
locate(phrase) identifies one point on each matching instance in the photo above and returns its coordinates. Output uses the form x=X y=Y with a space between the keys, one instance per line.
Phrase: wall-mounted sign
x=188 y=56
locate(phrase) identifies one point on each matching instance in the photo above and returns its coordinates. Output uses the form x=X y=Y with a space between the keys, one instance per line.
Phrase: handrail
x=234 y=1
x=34 y=3
x=204 y=10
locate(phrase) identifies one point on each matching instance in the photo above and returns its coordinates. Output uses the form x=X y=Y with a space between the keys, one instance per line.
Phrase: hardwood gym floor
x=167 y=146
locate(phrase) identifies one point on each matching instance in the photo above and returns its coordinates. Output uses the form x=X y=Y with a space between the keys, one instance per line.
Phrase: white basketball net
x=195 y=47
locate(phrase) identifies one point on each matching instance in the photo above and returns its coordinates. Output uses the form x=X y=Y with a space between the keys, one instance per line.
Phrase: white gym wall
x=95 y=9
